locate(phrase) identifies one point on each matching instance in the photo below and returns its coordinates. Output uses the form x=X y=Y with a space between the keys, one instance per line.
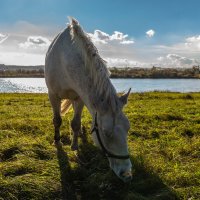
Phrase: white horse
x=74 y=71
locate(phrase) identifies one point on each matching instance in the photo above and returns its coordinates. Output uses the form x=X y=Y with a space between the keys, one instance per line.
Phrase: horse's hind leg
x=57 y=120
x=76 y=122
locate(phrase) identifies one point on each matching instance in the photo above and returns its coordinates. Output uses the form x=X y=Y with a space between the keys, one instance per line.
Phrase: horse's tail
x=65 y=106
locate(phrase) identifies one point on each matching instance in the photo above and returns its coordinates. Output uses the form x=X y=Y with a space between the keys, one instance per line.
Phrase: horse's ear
x=124 y=98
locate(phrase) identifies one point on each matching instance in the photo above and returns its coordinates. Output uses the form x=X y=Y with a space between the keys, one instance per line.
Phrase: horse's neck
x=96 y=85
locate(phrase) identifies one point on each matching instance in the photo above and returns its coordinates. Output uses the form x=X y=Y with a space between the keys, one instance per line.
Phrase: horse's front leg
x=76 y=122
x=57 y=120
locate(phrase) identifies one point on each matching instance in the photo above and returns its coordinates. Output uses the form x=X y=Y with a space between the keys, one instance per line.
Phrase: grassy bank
x=164 y=143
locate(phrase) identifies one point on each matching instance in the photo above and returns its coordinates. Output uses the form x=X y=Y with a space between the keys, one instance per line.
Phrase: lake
x=37 y=85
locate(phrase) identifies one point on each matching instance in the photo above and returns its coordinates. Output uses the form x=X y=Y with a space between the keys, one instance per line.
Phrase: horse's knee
x=76 y=125
x=57 y=121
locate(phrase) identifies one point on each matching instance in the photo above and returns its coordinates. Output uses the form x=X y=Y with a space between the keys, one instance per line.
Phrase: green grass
x=164 y=143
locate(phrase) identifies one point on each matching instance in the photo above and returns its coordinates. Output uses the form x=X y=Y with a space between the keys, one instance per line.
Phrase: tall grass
x=164 y=144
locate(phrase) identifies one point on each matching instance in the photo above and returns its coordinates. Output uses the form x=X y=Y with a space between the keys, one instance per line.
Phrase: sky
x=127 y=33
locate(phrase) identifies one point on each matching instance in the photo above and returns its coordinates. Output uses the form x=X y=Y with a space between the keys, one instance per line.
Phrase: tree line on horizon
x=126 y=72
x=155 y=72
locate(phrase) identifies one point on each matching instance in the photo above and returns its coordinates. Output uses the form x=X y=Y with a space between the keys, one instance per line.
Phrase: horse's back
x=61 y=65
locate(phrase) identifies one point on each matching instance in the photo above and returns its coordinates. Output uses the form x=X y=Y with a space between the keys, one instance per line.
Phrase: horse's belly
x=68 y=94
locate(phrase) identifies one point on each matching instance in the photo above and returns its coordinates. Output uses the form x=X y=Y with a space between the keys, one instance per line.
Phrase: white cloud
x=193 y=42
x=150 y=33
x=127 y=42
x=20 y=58
x=189 y=46
x=116 y=47
x=100 y=37
x=3 y=37
x=193 y=39
x=181 y=60
x=174 y=60
x=168 y=61
x=120 y=62
x=34 y=42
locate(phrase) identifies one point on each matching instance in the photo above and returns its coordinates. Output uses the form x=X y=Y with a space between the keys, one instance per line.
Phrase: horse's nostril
x=126 y=176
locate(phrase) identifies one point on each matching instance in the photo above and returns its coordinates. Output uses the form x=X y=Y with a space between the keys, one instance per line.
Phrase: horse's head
x=110 y=135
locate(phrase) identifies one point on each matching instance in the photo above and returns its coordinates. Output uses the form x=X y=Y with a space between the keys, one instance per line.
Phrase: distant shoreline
x=112 y=77
x=31 y=76
x=8 y=71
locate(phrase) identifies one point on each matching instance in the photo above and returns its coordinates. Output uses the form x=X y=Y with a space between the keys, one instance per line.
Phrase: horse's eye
x=107 y=133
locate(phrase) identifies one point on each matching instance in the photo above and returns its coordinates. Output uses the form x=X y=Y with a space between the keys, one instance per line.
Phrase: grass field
x=164 y=143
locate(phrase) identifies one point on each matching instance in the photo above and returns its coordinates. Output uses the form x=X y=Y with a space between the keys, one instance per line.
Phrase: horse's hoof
x=74 y=147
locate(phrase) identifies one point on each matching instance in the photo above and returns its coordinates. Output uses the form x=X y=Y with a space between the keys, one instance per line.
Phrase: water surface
x=37 y=85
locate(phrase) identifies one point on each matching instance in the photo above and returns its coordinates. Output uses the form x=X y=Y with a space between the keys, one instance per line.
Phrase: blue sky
x=162 y=32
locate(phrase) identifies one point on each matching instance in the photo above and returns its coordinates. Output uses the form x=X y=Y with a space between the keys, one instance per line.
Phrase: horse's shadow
x=65 y=174
x=94 y=180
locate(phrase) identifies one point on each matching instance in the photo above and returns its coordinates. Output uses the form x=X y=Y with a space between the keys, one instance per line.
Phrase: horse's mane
x=94 y=64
